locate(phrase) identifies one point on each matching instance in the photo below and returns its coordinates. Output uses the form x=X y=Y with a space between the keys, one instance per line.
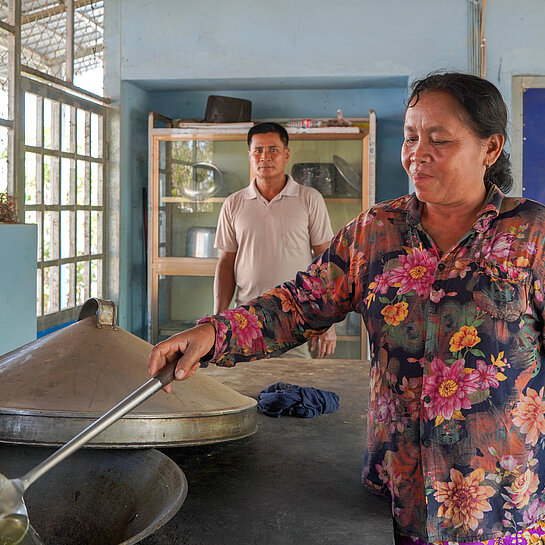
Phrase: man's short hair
x=264 y=128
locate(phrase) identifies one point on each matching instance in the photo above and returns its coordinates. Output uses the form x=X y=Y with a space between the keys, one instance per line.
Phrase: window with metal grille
x=54 y=160
x=64 y=196
x=7 y=41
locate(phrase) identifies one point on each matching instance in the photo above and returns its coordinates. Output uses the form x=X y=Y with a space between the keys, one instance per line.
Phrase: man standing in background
x=269 y=230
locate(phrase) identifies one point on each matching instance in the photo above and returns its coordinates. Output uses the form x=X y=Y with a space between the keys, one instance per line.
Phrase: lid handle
x=103 y=308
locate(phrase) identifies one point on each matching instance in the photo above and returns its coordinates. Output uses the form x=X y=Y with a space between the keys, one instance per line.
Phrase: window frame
x=65 y=92
x=70 y=313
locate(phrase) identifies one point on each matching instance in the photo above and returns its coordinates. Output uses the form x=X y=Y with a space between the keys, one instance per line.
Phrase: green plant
x=7 y=209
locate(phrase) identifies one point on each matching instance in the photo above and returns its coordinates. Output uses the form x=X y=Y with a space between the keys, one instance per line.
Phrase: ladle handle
x=163 y=377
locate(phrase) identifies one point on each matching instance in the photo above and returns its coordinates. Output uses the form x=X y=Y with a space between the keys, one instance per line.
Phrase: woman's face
x=444 y=159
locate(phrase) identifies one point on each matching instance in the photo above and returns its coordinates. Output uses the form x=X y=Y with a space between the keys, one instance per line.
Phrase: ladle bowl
x=13 y=512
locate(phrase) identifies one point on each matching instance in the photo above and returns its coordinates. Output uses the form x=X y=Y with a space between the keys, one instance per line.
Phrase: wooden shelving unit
x=180 y=285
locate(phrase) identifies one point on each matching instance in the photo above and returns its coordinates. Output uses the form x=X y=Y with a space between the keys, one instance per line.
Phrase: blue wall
x=18 y=248
x=131 y=303
x=292 y=59
x=311 y=102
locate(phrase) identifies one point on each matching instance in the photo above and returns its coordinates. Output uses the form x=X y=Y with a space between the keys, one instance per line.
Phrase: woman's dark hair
x=265 y=128
x=483 y=109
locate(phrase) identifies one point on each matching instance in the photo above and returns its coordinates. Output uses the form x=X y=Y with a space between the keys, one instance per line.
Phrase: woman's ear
x=494 y=145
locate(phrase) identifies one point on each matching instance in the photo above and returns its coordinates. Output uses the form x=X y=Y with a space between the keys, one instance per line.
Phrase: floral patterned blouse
x=456 y=424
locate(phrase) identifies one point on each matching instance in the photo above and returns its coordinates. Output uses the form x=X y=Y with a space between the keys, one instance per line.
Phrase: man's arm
x=320 y=249
x=326 y=343
x=224 y=281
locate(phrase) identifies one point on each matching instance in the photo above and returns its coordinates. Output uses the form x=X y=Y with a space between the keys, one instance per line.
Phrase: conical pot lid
x=52 y=388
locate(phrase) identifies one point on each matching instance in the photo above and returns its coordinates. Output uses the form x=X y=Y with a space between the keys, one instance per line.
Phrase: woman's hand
x=325 y=344
x=187 y=348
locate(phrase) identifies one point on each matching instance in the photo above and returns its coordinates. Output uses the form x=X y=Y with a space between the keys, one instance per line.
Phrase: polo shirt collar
x=291 y=189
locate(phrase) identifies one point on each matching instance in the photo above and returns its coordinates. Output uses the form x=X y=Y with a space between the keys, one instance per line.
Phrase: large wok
x=106 y=497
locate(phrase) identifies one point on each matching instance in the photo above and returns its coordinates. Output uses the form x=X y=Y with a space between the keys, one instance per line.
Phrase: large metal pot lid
x=52 y=388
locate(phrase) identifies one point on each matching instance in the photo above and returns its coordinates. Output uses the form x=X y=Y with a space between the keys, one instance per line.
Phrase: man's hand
x=187 y=347
x=324 y=344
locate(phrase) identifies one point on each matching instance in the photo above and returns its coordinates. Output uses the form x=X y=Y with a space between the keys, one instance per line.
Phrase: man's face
x=268 y=155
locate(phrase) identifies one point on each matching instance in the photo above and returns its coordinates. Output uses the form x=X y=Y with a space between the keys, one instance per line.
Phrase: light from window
x=3 y=159
x=64 y=177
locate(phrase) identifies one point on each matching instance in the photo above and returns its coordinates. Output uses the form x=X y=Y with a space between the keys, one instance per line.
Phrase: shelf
x=181 y=288
x=301 y=134
x=349 y=338
x=174 y=200
x=172 y=327
x=185 y=199
x=341 y=200
x=184 y=266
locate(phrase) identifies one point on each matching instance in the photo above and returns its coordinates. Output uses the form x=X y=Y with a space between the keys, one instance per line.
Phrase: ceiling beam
x=54 y=10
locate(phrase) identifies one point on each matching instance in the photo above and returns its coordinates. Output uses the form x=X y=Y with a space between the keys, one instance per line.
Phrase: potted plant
x=8 y=213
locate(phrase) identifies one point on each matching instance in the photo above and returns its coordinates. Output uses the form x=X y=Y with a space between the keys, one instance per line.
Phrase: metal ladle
x=14 y=521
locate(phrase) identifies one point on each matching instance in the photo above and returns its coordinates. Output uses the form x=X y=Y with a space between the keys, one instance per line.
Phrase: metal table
x=294 y=481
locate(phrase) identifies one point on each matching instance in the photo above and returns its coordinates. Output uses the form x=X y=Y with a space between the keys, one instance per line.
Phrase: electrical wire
x=476 y=38
x=482 y=43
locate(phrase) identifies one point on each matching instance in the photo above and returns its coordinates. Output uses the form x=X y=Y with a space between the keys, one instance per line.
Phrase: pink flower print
x=529 y=415
x=481 y=225
x=382 y=282
x=485 y=376
x=221 y=335
x=509 y=463
x=245 y=326
x=460 y=269
x=422 y=361
x=535 y=512
x=448 y=389
x=531 y=248
x=415 y=273
x=314 y=287
x=387 y=474
x=374 y=382
x=385 y=412
x=498 y=247
x=316 y=269
x=221 y=332
x=436 y=296
x=521 y=490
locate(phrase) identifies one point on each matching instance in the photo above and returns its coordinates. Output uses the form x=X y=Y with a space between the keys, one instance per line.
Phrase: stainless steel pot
x=200 y=242
x=111 y=497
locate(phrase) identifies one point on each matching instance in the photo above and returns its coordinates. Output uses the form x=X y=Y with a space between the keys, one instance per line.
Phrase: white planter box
x=18 y=256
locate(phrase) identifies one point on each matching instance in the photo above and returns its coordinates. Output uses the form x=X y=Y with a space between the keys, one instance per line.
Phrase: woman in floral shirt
x=449 y=282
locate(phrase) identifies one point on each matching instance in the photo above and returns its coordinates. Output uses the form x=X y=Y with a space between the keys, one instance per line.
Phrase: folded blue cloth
x=282 y=398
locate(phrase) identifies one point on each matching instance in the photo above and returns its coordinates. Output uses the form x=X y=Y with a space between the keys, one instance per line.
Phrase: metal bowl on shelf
x=206 y=182
x=348 y=174
x=321 y=176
